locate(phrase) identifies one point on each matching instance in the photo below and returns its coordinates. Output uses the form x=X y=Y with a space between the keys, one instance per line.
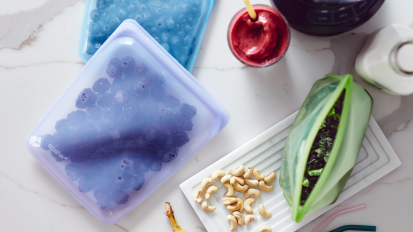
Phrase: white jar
x=386 y=60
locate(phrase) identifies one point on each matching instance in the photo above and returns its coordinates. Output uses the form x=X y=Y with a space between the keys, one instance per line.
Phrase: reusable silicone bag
x=130 y=119
x=355 y=115
x=178 y=25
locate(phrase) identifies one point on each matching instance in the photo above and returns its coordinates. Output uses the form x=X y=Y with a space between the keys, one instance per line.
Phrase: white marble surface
x=38 y=59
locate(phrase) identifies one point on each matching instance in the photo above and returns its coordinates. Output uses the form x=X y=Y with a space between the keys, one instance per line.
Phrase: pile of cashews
x=240 y=180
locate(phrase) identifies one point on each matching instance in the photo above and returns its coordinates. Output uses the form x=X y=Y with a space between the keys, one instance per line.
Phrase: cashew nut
x=205 y=182
x=229 y=200
x=225 y=178
x=211 y=190
x=198 y=196
x=240 y=188
x=216 y=174
x=247 y=205
x=236 y=179
x=207 y=208
x=264 y=187
x=241 y=208
x=258 y=175
x=270 y=177
x=264 y=228
x=235 y=207
x=233 y=221
x=249 y=218
x=263 y=212
x=251 y=183
x=230 y=189
x=248 y=173
x=239 y=217
x=238 y=171
x=250 y=192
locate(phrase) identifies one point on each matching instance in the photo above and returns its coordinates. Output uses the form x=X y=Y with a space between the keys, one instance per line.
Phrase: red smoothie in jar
x=261 y=42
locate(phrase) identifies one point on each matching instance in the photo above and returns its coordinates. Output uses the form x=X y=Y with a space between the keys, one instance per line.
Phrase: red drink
x=262 y=42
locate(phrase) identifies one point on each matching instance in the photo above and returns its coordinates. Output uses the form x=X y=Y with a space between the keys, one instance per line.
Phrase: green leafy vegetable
x=321 y=148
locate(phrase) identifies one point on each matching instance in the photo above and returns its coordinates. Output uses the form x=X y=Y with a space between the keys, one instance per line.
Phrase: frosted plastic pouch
x=356 y=111
x=112 y=152
x=178 y=25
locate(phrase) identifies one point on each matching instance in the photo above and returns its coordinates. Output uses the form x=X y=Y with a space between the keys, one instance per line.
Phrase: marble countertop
x=38 y=59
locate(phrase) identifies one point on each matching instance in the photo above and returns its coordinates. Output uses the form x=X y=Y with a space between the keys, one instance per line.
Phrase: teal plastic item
x=178 y=25
x=356 y=111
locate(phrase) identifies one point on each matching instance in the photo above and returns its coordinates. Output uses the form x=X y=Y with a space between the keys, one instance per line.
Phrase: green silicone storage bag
x=307 y=145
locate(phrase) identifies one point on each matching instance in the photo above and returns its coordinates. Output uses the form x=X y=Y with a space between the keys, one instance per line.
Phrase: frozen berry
x=79 y=156
x=187 y=111
x=120 y=98
x=62 y=125
x=101 y=85
x=171 y=101
x=76 y=117
x=45 y=141
x=94 y=27
x=86 y=184
x=165 y=46
x=156 y=79
x=122 y=14
x=169 y=154
x=101 y=4
x=131 y=8
x=115 y=22
x=93 y=113
x=127 y=64
x=120 y=197
x=94 y=15
x=104 y=100
x=137 y=181
x=112 y=8
x=157 y=93
x=141 y=69
x=147 y=149
x=142 y=87
x=74 y=172
x=179 y=138
x=156 y=165
x=184 y=123
x=121 y=2
x=105 y=18
x=129 y=112
x=86 y=99
x=167 y=116
x=113 y=68
x=102 y=200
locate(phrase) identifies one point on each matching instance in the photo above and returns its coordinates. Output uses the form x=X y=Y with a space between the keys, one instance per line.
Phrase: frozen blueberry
x=142 y=87
x=121 y=2
x=165 y=8
x=129 y=112
x=137 y=181
x=142 y=18
x=170 y=24
x=189 y=40
x=74 y=172
x=179 y=138
x=157 y=93
x=100 y=37
x=157 y=79
x=189 y=29
x=112 y=8
x=105 y=18
x=106 y=123
x=86 y=98
x=76 y=117
x=101 y=85
x=122 y=14
x=94 y=113
x=140 y=69
x=79 y=156
x=156 y=10
x=86 y=184
x=103 y=138
x=113 y=68
x=184 y=123
x=171 y=101
x=94 y=15
x=187 y=111
x=167 y=116
x=152 y=132
x=122 y=181
x=92 y=47
x=127 y=64
x=142 y=166
x=165 y=46
x=120 y=98
x=175 y=41
x=160 y=23
x=94 y=27
x=115 y=22
x=62 y=125
x=143 y=7
x=182 y=59
x=45 y=141
x=101 y=4
x=104 y=100
x=169 y=154
x=165 y=37
x=132 y=7
x=156 y=165
x=120 y=197
x=117 y=85
x=157 y=38
x=101 y=199
x=154 y=30
x=107 y=29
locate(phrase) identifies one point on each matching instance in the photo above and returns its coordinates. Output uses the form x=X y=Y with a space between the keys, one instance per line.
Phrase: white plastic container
x=386 y=60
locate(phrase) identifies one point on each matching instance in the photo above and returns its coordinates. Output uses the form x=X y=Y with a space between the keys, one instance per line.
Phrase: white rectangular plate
x=376 y=159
